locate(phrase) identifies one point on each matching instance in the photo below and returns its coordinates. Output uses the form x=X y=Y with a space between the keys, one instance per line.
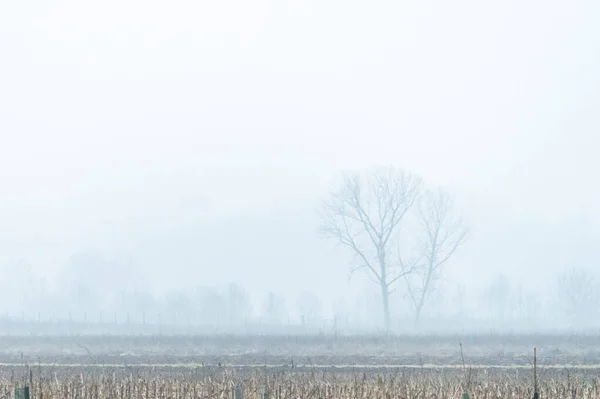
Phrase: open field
x=167 y=367
x=368 y=351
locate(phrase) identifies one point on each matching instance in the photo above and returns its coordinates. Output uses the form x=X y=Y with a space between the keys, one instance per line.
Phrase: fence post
x=239 y=392
x=22 y=393
x=536 y=394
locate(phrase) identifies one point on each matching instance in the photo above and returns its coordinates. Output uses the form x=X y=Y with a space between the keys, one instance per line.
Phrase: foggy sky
x=163 y=130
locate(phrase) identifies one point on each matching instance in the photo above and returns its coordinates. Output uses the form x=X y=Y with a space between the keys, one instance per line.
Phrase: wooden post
x=239 y=392
x=536 y=395
x=22 y=393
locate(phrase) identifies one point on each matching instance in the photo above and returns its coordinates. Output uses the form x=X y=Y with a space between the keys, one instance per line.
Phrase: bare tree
x=497 y=297
x=364 y=213
x=577 y=295
x=311 y=309
x=238 y=304
x=274 y=308
x=442 y=233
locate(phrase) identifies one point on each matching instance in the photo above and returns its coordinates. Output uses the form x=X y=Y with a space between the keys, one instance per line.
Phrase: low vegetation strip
x=301 y=367
x=488 y=350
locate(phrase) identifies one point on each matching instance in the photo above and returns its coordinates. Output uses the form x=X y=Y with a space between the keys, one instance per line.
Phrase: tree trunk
x=385 y=301
x=418 y=315
x=421 y=303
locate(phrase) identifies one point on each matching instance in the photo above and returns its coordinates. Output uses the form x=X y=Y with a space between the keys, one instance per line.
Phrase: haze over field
x=157 y=149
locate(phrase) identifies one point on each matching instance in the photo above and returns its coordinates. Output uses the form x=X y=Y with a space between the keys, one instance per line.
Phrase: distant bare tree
x=442 y=233
x=497 y=297
x=578 y=294
x=311 y=309
x=364 y=214
x=211 y=305
x=274 y=308
x=239 y=306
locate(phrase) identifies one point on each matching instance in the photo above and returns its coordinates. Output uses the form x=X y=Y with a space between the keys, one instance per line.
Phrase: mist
x=163 y=165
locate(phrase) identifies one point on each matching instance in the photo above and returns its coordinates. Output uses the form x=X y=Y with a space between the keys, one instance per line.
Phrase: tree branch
x=442 y=235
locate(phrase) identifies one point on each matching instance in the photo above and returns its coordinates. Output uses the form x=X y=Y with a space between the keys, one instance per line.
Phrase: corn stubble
x=228 y=383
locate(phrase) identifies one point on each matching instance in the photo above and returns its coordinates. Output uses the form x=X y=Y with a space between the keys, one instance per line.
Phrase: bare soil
x=363 y=352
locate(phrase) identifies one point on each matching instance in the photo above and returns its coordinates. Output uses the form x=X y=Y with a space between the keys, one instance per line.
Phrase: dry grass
x=62 y=383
